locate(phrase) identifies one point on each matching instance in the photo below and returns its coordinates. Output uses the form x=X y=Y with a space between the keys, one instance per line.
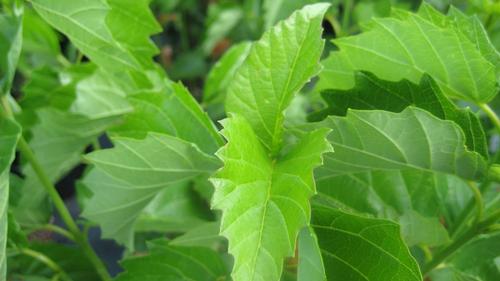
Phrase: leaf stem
x=55 y=229
x=80 y=239
x=491 y=115
x=47 y=261
x=478 y=199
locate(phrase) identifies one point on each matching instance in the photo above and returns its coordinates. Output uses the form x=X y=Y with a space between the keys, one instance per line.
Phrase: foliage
x=232 y=140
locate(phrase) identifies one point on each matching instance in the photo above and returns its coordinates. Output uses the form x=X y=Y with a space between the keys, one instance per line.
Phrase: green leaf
x=409 y=197
x=451 y=274
x=413 y=139
x=9 y=134
x=278 y=66
x=264 y=202
x=127 y=178
x=170 y=111
x=371 y=93
x=470 y=26
x=92 y=26
x=355 y=247
x=11 y=36
x=310 y=262
x=205 y=235
x=176 y=263
x=222 y=73
x=406 y=48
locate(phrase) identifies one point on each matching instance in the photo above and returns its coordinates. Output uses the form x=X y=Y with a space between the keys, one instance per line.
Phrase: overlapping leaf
x=128 y=177
x=167 y=262
x=358 y=248
x=278 y=66
x=413 y=139
x=264 y=201
x=412 y=198
x=9 y=134
x=408 y=46
x=372 y=93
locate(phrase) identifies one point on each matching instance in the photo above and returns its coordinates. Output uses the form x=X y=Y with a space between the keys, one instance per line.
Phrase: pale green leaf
x=451 y=274
x=371 y=93
x=221 y=20
x=205 y=235
x=406 y=48
x=127 y=178
x=413 y=139
x=278 y=66
x=174 y=263
x=11 y=36
x=359 y=248
x=9 y=134
x=91 y=26
x=264 y=202
x=310 y=262
x=222 y=73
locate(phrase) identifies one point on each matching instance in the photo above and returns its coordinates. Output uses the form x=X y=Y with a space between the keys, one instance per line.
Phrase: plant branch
x=26 y=151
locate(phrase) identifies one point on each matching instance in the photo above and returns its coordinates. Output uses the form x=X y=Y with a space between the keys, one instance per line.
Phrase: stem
x=26 y=151
x=491 y=115
x=471 y=233
x=446 y=252
x=47 y=261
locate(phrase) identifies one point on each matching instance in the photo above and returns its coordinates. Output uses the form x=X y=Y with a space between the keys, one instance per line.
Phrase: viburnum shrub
x=375 y=159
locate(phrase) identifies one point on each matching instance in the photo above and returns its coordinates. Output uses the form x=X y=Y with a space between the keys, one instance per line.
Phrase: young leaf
x=167 y=262
x=127 y=177
x=11 y=36
x=310 y=262
x=412 y=139
x=406 y=48
x=90 y=26
x=278 y=66
x=265 y=202
x=371 y=93
x=358 y=248
x=9 y=134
